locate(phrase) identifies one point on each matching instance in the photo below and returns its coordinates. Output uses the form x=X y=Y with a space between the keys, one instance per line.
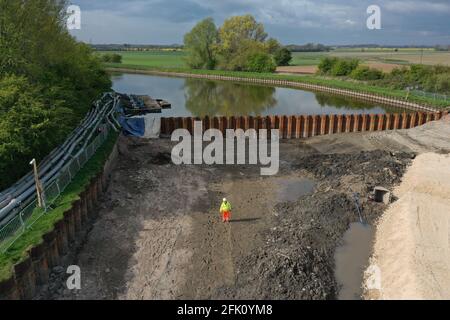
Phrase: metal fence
x=29 y=214
x=431 y=95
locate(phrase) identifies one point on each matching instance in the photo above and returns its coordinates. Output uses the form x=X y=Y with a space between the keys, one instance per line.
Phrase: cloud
x=412 y=6
x=291 y=21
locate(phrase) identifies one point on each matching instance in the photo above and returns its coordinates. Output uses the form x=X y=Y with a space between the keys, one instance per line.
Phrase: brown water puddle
x=351 y=259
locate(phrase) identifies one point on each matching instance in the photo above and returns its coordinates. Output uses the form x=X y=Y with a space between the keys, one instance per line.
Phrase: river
x=200 y=97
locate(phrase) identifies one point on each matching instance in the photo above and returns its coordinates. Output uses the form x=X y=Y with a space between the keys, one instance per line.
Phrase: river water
x=200 y=97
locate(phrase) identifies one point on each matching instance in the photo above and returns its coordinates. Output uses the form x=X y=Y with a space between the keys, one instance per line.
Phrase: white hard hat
x=224 y=199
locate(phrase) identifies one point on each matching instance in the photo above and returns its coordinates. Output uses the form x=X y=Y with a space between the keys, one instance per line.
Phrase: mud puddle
x=292 y=189
x=352 y=258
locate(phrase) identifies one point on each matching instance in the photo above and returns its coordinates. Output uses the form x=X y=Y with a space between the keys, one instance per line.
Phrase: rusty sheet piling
x=305 y=126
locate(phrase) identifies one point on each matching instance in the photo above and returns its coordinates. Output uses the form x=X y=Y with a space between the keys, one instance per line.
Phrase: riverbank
x=354 y=89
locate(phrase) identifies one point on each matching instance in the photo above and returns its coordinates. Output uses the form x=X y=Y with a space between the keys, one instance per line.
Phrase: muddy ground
x=159 y=234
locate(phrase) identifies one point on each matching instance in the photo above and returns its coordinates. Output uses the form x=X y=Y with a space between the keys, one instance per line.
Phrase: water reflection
x=209 y=98
x=200 y=97
x=340 y=102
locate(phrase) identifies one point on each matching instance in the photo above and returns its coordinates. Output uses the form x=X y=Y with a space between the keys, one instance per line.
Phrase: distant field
x=307 y=58
x=305 y=62
x=157 y=58
x=383 y=56
x=382 y=49
x=401 y=57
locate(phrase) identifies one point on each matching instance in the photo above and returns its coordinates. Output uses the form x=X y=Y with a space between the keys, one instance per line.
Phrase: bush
x=116 y=58
x=283 y=57
x=366 y=74
x=106 y=57
x=111 y=58
x=326 y=64
x=337 y=67
x=439 y=83
x=344 y=67
x=260 y=62
x=433 y=79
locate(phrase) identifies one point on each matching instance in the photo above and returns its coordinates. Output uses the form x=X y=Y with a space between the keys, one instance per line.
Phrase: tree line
x=309 y=47
x=240 y=44
x=48 y=81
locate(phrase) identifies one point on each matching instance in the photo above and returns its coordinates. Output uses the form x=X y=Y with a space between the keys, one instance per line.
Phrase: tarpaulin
x=148 y=126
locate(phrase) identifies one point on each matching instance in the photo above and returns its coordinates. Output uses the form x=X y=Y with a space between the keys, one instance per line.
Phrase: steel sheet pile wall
x=306 y=126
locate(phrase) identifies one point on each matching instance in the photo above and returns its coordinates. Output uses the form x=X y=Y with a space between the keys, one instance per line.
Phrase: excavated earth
x=159 y=234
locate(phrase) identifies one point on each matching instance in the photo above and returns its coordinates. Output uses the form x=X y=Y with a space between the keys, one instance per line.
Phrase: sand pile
x=411 y=257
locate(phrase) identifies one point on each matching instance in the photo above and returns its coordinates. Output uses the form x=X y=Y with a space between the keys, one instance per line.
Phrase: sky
x=331 y=22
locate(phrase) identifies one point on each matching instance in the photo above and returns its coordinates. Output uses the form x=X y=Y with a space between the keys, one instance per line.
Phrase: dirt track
x=159 y=235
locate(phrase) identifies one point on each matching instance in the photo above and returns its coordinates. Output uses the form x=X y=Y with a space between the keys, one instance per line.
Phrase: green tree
x=272 y=46
x=283 y=57
x=240 y=28
x=240 y=37
x=29 y=128
x=48 y=81
x=260 y=62
x=200 y=43
x=240 y=59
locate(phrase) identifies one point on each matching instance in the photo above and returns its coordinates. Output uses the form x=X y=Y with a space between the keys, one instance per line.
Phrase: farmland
x=385 y=59
x=401 y=57
x=154 y=58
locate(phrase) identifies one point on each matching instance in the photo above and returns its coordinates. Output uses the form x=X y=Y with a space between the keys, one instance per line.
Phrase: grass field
x=156 y=58
x=307 y=58
x=374 y=57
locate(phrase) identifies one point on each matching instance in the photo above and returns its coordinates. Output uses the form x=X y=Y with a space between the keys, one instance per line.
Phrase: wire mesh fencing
x=29 y=213
x=432 y=95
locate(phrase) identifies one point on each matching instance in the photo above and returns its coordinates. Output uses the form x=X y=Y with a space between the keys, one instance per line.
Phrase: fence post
x=57 y=186
x=68 y=170
x=21 y=221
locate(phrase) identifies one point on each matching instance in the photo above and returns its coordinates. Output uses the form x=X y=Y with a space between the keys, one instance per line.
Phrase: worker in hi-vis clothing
x=225 y=210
